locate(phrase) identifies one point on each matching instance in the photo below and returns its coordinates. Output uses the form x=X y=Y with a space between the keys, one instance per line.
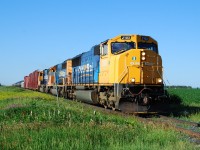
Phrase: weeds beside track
x=36 y=122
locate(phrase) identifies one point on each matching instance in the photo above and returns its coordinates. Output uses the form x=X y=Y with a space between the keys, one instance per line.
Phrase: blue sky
x=37 y=34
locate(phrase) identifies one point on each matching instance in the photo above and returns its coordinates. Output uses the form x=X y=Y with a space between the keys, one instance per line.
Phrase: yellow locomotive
x=131 y=75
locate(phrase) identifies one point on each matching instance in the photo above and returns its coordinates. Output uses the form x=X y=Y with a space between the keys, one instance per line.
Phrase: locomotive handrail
x=140 y=91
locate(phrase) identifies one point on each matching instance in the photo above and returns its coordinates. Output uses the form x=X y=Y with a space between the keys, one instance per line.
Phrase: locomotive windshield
x=119 y=47
x=150 y=46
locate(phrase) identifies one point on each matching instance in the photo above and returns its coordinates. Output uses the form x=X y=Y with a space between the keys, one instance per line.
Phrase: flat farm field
x=190 y=103
x=33 y=120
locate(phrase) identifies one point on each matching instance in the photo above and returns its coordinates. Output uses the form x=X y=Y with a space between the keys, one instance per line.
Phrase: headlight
x=159 y=80
x=143 y=58
x=133 y=80
x=143 y=53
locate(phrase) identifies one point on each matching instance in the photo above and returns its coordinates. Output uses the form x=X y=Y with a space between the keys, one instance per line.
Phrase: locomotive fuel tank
x=87 y=96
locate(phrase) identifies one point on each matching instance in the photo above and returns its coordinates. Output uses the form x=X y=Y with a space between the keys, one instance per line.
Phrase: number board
x=145 y=38
x=125 y=37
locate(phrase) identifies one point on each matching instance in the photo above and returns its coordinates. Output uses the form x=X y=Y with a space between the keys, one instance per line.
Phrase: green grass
x=32 y=120
x=19 y=93
x=190 y=102
x=189 y=97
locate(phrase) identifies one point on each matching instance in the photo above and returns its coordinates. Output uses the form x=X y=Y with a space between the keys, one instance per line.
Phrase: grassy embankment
x=190 y=102
x=32 y=120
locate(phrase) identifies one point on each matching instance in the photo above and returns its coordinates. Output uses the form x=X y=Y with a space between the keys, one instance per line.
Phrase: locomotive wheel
x=105 y=104
x=113 y=108
x=146 y=100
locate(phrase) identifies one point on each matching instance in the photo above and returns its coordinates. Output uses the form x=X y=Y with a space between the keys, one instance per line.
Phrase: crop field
x=33 y=120
x=190 y=103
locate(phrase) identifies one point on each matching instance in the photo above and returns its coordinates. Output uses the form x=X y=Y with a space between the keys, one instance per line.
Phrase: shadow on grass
x=178 y=108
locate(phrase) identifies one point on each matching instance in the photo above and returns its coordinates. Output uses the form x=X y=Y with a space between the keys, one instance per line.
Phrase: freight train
x=123 y=73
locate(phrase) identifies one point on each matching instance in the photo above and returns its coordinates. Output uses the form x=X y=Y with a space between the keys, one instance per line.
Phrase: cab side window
x=104 y=50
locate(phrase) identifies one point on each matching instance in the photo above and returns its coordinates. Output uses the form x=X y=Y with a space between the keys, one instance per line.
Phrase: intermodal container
x=33 y=80
x=26 y=80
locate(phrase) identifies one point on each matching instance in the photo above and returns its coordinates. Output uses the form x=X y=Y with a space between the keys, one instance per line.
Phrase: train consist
x=123 y=73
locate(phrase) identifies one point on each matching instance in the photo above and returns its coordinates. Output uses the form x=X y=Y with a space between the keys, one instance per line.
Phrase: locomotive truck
x=123 y=73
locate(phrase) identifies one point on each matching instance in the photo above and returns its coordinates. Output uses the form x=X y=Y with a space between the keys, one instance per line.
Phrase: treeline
x=179 y=86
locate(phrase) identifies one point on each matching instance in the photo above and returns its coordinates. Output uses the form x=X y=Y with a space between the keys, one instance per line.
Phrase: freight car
x=123 y=73
x=18 y=84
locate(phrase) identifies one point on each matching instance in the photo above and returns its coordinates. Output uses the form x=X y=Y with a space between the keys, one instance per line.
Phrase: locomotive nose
x=151 y=71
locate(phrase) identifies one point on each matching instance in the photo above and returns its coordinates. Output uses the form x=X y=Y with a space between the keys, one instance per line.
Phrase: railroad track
x=175 y=120
x=192 y=129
